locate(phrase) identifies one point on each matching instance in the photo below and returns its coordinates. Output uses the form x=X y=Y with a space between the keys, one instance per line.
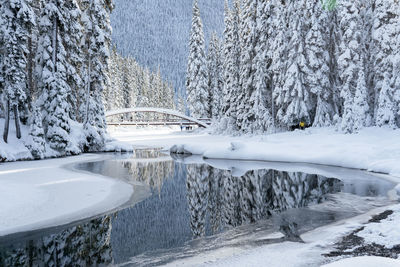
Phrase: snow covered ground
x=385 y=233
x=41 y=194
x=373 y=149
x=366 y=261
x=14 y=149
x=290 y=254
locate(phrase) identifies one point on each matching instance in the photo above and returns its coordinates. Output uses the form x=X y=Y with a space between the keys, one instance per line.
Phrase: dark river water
x=186 y=206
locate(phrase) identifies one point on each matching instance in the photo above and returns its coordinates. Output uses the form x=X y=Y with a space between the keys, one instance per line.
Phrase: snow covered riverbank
x=41 y=194
x=373 y=149
x=16 y=149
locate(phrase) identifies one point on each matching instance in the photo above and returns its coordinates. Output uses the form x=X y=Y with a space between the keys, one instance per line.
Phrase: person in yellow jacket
x=302 y=125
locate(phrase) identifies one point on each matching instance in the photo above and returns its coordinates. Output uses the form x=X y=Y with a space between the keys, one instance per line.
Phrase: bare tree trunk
x=30 y=63
x=17 y=123
x=54 y=55
x=7 y=122
x=89 y=74
x=88 y=92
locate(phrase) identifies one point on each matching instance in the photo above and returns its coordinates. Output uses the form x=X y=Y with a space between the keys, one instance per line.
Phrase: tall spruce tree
x=384 y=34
x=350 y=58
x=317 y=66
x=261 y=100
x=249 y=39
x=73 y=40
x=215 y=81
x=278 y=54
x=196 y=77
x=232 y=55
x=52 y=76
x=297 y=101
x=98 y=39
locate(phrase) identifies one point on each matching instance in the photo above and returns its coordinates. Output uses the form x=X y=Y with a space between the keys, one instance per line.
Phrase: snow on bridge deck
x=157 y=110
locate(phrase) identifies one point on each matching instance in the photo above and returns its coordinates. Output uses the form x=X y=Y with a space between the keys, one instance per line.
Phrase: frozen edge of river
x=42 y=194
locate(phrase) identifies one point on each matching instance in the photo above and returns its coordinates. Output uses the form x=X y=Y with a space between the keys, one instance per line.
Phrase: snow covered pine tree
x=196 y=77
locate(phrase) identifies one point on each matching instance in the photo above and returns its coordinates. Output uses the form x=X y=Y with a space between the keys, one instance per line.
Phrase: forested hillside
x=156 y=32
x=282 y=63
x=134 y=86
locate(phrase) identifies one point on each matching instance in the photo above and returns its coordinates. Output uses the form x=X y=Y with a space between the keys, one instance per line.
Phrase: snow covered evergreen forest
x=53 y=71
x=283 y=62
x=133 y=86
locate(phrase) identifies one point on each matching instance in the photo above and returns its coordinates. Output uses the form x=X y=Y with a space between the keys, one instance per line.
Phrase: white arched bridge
x=183 y=120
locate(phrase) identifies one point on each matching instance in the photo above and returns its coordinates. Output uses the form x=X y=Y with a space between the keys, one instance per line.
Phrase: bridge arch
x=156 y=110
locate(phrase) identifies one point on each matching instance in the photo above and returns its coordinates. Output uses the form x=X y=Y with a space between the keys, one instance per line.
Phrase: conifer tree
x=215 y=82
x=386 y=104
x=317 y=65
x=249 y=38
x=73 y=40
x=297 y=101
x=196 y=76
x=98 y=31
x=261 y=99
x=384 y=35
x=350 y=58
x=232 y=54
x=52 y=76
x=278 y=54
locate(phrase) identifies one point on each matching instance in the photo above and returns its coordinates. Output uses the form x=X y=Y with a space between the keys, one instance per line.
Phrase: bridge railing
x=203 y=122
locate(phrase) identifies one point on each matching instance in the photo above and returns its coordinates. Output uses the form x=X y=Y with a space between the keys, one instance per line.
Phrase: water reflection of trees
x=83 y=245
x=228 y=201
x=151 y=172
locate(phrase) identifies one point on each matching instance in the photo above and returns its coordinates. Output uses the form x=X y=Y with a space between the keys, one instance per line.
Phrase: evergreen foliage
x=198 y=94
x=231 y=71
x=52 y=74
x=249 y=41
x=47 y=47
x=292 y=62
x=36 y=141
x=214 y=72
x=97 y=20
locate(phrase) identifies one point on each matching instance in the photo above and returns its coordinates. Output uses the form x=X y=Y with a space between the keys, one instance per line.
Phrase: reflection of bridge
x=182 y=119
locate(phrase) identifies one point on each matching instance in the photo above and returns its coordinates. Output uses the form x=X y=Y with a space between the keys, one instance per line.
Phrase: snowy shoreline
x=374 y=150
x=16 y=150
x=54 y=195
